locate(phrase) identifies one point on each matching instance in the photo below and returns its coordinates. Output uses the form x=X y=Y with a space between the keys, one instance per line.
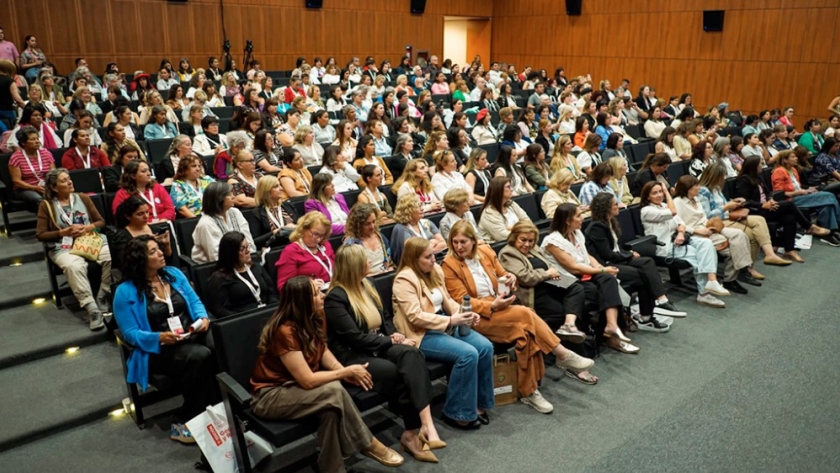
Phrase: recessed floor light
x=71 y=350
x=39 y=300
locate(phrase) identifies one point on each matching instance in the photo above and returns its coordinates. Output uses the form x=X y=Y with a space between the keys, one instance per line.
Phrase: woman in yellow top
x=618 y=182
x=559 y=193
x=563 y=158
x=295 y=179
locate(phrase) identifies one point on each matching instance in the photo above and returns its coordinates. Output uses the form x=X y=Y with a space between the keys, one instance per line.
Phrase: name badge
x=41 y=183
x=175 y=325
x=67 y=243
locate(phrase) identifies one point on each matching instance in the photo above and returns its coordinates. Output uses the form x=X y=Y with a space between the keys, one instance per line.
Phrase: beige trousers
x=75 y=269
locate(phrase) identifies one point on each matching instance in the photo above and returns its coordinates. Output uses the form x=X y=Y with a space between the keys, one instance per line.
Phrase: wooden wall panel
x=138 y=33
x=764 y=58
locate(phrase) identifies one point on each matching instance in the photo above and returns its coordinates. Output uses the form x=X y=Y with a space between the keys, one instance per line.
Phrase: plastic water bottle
x=466 y=306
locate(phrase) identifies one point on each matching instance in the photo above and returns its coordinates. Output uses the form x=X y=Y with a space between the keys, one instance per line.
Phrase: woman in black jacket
x=784 y=213
x=237 y=285
x=360 y=332
x=275 y=218
x=636 y=273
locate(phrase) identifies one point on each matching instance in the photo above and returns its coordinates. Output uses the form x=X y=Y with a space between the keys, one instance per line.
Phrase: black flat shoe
x=735 y=286
x=473 y=425
x=748 y=278
x=484 y=418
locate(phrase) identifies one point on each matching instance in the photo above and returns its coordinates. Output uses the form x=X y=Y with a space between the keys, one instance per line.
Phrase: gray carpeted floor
x=753 y=387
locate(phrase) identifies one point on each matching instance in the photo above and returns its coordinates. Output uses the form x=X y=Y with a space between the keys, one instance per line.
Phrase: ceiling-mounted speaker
x=573 y=7
x=713 y=20
x=418 y=7
x=314 y=3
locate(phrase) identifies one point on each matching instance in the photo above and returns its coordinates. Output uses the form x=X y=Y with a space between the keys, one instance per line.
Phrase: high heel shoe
x=423 y=456
x=433 y=444
x=618 y=335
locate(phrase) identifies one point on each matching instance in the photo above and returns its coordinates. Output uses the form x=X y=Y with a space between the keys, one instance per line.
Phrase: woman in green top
x=812 y=139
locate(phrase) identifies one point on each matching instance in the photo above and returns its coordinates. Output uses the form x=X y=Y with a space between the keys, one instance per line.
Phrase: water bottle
x=466 y=306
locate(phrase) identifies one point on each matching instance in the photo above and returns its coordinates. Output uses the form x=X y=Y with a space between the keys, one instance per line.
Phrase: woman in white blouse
x=218 y=216
x=484 y=133
x=659 y=218
x=344 y=175
x=654 y=126
x=309 y=149
x=499 y=213
x=447 y=176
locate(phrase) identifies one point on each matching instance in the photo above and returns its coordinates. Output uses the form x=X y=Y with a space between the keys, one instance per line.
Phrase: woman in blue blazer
x=162 y=318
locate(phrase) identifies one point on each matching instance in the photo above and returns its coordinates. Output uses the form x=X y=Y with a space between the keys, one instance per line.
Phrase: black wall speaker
x=713 y=20
x=314 y=3
x=573 y=7
x=418 y=7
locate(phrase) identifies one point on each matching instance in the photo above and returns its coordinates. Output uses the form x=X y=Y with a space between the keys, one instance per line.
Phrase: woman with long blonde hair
x=563 y=158
x=415 y=180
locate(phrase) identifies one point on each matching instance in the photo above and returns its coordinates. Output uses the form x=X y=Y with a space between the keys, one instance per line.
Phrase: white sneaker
x=574 y=362
x=716 y=288
x=665 y=319
x=711 y=301
x=538 y=402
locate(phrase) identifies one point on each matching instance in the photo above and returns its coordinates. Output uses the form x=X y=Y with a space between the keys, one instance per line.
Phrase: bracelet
x=602 y=270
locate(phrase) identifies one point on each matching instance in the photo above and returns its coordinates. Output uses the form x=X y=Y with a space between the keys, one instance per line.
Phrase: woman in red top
x=786 y=178
x=308 y=255
x=29 y=166
x=298 y=376
x=82 y=155
x=137 y=180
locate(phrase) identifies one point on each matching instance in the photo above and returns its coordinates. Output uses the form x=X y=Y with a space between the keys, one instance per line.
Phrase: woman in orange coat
x=473 y=270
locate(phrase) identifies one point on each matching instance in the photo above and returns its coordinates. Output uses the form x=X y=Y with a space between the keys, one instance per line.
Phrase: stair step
x=21 y=222
x=32 y=332
x=22 y=284
x=20 y=248
x=58 y=393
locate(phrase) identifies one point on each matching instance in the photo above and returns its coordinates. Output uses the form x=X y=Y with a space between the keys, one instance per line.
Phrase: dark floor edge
x=68 y=424
x=25 y=300
x=25 y=258
x=53 y=350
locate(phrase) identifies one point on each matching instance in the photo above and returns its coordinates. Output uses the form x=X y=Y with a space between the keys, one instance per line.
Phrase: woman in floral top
x=188 y=186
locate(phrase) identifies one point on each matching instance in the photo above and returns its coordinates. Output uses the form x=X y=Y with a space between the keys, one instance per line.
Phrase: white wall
x=455 y=41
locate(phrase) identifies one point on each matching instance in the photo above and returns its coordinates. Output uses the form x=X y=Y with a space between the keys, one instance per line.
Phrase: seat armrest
x=643 y=245
x=233 y=389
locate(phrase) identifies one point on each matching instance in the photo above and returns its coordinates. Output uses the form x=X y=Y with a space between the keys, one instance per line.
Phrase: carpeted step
x=22 y=284
x=20 y=248
x=32 y=332
x=20 y=222
x=59 y=392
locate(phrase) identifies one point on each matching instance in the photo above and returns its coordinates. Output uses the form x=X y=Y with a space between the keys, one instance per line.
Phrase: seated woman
x=360 y=331
x=244 y=180
x=295 y=179
x=599 y=182
x=785 y=178
x=758 y=199
x=636 y=273
x=132 y=219
x=266 y=153
x=365 y=154
x=112 y=176
x=323 y=198
x=499 y=213
x=415 y=181
x=426 y=313
x=188 y=186
x=218 y=216
x=238 y=285
x=159 y=126
x=619 y=184
x=736 y=214
x=63 y=216
x=28 y=167
x=86 y=122
x=730 y=242
x=447 y=176
x=537 y=171
x=156 y=308
x=210 y=142
x=363 y=229
x=565 y=249
x=457 y=205
x=659 y=218
x=345 y=177
x=590 y=157
x=297 y=376
x=180 y=148
x=275 y=217
x=372 y=176
x=410 y=223
x=34 y=115
x=116 y=138
x=506 y=166
x=137 y=180
x=477 y=174
x=474 y=271
x=654 y=169
x=563 y=158
x=304 y=142
x=307 y=255
x=559 y=193
x=701 y=156
x=82 y=155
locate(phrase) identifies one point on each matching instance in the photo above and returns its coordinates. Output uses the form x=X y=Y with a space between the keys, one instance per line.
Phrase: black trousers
x=602 y=292
x=193 y=364
x=641 y=276
x=552 y=303
x=787 y=216
x=400 y=373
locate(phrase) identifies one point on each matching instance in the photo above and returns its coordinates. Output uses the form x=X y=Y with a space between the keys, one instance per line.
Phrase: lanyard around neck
x=253 y=286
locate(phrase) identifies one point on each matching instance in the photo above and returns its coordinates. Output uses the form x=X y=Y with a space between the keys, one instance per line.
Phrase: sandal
x=570 y=333
x=589 y=379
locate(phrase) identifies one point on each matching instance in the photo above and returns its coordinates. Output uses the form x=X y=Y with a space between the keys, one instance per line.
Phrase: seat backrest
x=297 y=204
x=158 y=149
x=529 y=205
x=86 y=181
x=236 y=339
x=57 y=153
x=625 y=223
x=676 y=171
x=6 y=177
x=223 y=112
x=492 y=151
x=271 y=259
x=350 y=197
x=729 y=188
x=384 y=286
x=392 y=197
x=253 y=219
x=634 y=131
x=636 y=219
x=200 y=276
x=99 y=203
x=184 y=228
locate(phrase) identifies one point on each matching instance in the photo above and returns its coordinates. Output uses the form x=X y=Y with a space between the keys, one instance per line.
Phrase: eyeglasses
x=245 y=249
x=247 y=161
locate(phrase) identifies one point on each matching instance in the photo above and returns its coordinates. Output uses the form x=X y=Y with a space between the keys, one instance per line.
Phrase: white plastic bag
x=213 y=436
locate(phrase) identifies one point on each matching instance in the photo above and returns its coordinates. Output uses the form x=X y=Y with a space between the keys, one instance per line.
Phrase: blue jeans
x=9 y=115
x=471 y=379
x=829 y=210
